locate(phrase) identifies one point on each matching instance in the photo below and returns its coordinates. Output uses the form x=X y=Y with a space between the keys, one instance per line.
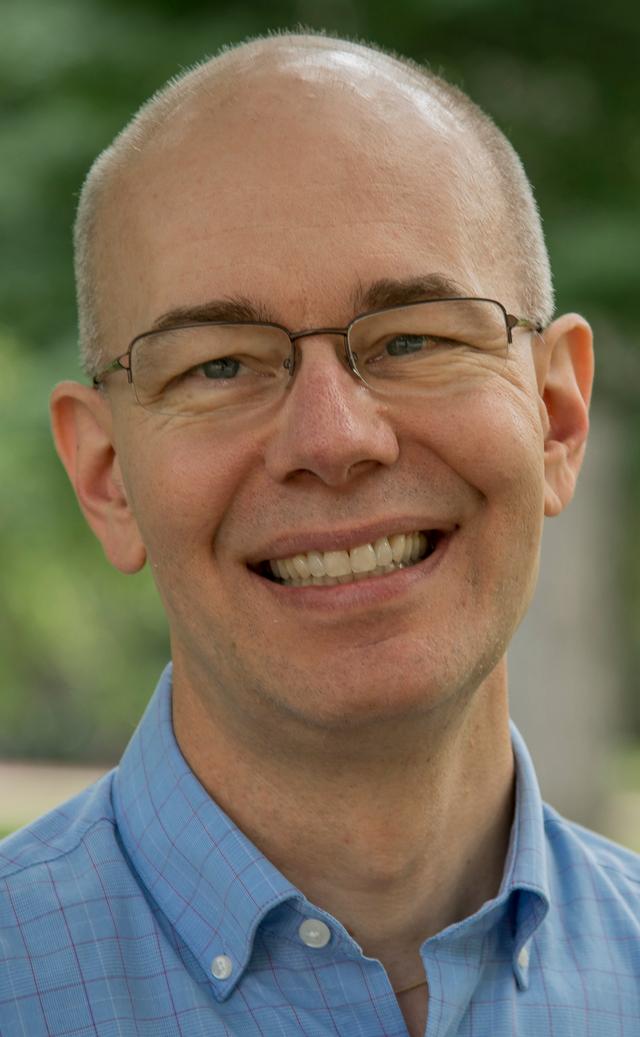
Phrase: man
x=331 y=409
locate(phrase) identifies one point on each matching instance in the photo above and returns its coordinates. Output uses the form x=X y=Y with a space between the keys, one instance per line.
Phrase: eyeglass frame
x=511 y=322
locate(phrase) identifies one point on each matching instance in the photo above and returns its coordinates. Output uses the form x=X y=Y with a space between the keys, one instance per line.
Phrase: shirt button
x=314 y=932
x=221 y=967
x=523 y=958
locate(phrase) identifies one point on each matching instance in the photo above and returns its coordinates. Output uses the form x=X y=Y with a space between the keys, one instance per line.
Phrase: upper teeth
x=396 y=550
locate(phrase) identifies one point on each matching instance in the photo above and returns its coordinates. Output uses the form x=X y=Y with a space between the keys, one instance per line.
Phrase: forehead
x=296 y=182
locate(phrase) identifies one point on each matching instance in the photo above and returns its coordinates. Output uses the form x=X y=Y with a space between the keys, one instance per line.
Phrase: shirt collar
x=215 y=887
x=525 y=881
x=211 y=882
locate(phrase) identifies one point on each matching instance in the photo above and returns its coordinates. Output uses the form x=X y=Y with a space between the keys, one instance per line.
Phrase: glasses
x=217 y=367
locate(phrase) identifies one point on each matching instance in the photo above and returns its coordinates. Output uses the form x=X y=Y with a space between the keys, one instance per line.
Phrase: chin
x=370 y=704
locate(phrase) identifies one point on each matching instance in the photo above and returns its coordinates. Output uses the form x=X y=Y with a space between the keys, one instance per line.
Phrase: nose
x=330 y=425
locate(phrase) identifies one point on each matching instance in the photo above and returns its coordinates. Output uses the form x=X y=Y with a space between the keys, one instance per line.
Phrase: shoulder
x=596 y=880
x=581 y=845
x=65 y=882
x=71 y=908
x=54 y=836
x=585 y=954
x=54 y=865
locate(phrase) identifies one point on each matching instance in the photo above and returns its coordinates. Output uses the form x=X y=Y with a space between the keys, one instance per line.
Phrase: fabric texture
x=139 y=908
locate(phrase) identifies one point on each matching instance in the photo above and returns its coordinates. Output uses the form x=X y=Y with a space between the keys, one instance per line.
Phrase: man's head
x=294 y=175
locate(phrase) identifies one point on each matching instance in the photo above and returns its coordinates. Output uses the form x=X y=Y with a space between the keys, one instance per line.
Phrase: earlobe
x=565 y=382
x=81 y=421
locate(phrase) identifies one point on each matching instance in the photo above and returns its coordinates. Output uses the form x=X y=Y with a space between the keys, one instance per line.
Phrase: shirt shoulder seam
x=620 y=871
x=62 y=852
x=617 y=868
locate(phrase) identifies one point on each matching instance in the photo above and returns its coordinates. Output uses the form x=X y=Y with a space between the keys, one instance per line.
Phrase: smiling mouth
x=361 y=562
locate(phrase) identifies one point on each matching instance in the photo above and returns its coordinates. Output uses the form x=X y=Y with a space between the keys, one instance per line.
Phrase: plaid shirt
x=139 y=908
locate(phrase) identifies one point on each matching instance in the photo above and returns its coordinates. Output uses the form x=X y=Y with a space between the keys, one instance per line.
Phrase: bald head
x=326 y=124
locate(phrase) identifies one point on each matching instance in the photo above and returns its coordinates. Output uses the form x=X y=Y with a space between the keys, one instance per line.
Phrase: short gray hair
x=522 y=239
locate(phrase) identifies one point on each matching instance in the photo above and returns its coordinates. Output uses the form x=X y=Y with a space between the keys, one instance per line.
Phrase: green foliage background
x=81 y=646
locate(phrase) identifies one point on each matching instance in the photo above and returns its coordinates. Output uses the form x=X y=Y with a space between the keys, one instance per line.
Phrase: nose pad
x=352 y=360
x=291 y=362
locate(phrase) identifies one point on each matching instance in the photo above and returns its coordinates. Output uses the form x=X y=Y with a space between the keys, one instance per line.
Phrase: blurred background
x=81 y=646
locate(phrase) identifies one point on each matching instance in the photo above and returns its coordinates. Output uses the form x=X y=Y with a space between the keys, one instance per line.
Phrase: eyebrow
x=395 y=292
x=229 y=309
x=378 y=295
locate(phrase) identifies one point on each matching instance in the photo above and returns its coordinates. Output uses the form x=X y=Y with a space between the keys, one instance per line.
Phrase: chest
x=414 y=1006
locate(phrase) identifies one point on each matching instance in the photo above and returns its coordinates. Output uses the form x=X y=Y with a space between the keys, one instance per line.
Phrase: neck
x=396 y=844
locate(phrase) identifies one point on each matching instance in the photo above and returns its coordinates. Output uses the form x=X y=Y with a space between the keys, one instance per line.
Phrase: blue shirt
x=139 y=908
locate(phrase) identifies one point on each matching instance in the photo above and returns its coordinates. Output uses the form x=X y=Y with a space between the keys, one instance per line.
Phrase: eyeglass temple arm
x=523 y=322
x=121 y=363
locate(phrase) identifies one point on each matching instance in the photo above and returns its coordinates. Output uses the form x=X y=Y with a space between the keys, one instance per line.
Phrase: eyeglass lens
x=420 y=348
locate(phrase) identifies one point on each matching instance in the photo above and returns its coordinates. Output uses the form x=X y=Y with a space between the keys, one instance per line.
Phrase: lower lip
x=360 y=593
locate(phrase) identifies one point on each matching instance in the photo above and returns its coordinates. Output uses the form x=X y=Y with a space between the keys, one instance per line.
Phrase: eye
x=404 y=345
x=224 y=367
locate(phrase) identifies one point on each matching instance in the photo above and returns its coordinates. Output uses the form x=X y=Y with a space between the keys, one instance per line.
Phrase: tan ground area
x=30 y=789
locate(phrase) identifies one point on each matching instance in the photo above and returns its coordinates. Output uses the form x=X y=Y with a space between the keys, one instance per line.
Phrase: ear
x=564 y=369
x=81 y=420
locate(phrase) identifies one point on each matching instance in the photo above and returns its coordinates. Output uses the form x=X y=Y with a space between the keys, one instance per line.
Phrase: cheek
x=505 y=463
x=489 y=433
x=506 y=453
x=182 y=488
x=490 y=449
x=515 y=510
